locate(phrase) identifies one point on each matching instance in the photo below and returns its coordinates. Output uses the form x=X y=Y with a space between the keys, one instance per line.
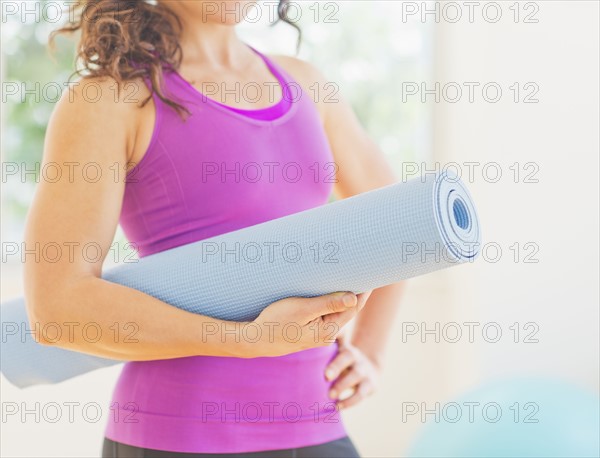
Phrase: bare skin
x=74 y=212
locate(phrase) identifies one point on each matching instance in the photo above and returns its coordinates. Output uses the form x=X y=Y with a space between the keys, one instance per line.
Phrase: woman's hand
x=294 y=324
x=354 y=372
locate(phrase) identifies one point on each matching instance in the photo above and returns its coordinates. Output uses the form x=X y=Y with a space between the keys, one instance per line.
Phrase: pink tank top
x=221 y=170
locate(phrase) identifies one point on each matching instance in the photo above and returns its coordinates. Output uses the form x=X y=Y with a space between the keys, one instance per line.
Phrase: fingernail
x=349 y=300
x=328 y=374
x=333 y=394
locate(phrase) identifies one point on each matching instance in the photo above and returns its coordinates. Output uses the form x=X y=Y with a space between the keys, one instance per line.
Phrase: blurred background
x=505 y=94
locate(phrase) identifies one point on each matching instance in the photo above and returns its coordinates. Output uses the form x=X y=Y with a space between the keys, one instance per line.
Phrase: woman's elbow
x=46 y=315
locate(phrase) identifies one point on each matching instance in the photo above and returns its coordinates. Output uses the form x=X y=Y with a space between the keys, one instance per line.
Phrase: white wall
x=559 y=214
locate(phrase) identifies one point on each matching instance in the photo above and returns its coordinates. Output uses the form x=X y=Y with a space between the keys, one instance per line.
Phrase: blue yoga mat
x=356 y=244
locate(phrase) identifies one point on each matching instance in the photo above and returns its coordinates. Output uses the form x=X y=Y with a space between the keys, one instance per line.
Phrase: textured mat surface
x=356 y=244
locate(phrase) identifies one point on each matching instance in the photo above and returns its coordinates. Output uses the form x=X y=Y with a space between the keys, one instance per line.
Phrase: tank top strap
x=282 y=76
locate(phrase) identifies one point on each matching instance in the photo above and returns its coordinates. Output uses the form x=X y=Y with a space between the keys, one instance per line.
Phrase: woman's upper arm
x=361 y=165
x=75 y=211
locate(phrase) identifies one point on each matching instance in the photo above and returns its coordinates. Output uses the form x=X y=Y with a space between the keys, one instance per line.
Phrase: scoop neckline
x=233 y=111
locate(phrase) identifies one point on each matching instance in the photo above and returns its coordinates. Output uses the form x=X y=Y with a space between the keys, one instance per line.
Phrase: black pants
x=341 y=448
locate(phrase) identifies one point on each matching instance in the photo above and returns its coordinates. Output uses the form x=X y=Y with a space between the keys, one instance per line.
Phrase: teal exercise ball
x=524 y=417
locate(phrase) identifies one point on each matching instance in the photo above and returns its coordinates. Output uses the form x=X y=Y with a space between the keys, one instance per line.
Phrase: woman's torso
x=221 y=170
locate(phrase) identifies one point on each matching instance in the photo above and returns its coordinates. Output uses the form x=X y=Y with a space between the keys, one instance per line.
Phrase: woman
x=143 y=107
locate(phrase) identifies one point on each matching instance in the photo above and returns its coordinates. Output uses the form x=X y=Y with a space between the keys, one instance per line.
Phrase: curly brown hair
x=128 y=39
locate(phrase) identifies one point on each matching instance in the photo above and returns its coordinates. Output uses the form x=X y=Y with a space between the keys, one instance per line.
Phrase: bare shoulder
x=299 y=69
x=91 y=107
x=103 y=95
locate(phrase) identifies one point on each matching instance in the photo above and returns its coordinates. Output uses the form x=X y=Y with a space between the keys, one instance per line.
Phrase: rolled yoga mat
x=355 y=244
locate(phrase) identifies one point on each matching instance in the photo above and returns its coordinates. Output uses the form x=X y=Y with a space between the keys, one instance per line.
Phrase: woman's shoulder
x=298 y=68
x=95 y=106
x=104 y=93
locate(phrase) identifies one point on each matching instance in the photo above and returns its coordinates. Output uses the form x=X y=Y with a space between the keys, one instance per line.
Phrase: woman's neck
x=215 y=45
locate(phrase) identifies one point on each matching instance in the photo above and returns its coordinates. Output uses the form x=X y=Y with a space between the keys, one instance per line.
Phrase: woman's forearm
x=105 y=319
x=374 y=323
x=112 y=321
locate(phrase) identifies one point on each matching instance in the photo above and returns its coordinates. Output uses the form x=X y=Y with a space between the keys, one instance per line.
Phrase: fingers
x=330 y=304
x=363 y=298
x=349 y=380
x=339 y=320
x=343 y=360
x=342 y=318
x=364 y=389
